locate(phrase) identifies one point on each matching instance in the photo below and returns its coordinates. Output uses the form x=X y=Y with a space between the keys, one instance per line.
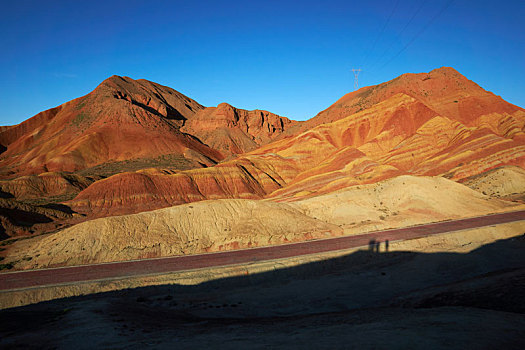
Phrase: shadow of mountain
x=59 y=206
x=28 y=216
x=6 y=194
x=23 y=217
x=415 y=300
x=171 y=113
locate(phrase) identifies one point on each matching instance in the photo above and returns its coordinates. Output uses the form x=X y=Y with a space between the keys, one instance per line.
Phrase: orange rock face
x=248 y=178
x=443 y=90
x=235 y=131
x=119 y=120
x=125 y=119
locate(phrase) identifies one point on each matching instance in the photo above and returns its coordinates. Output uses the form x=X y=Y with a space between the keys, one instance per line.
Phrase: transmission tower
x=356 y=79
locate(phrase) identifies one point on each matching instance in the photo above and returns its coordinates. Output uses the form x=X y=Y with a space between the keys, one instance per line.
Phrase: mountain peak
x=444 y=90
x=445 y=70
x=155 y=98
x=116 y=79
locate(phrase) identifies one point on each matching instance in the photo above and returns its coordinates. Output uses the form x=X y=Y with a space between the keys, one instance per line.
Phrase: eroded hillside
x=132 y=146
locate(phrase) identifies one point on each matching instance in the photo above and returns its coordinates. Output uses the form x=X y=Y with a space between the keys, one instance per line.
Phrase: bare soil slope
x=399 y=202
x=504 y=182
x=205 y=226
x=217 y=225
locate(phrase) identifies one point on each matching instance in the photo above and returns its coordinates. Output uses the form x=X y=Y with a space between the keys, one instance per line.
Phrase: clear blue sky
x=290 y=57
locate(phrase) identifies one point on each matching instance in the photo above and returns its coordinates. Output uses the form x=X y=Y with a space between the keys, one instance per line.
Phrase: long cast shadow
x=491 y=277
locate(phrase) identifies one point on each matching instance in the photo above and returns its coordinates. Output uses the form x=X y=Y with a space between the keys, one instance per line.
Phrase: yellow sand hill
x=225 y=224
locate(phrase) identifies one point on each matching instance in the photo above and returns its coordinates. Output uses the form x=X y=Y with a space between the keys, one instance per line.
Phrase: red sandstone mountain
x=126 y=120
x=235 y=131
x=436 y=123
x=443 y=90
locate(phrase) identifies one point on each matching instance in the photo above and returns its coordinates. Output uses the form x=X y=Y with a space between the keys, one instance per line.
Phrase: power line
x=365 y=61
x=356 y=79
x=416 y=12
x=418 y=33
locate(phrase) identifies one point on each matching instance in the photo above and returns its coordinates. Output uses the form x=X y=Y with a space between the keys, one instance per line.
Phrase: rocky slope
x=52 y=184
x=436 y=123
x=399 y=135
x=125 y=119
x=234 y=131
x=121 y=119
x=22 y=219
x=132 y=192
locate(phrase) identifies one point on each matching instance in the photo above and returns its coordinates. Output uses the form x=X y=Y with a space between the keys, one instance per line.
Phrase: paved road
x=47 y=277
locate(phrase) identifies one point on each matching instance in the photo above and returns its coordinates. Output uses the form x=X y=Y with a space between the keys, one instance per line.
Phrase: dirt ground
x=389 y=300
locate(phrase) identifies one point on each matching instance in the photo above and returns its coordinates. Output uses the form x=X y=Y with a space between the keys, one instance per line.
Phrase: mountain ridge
x=121 y=114
x=424 y=124
x=399 y=135
x=408 y=83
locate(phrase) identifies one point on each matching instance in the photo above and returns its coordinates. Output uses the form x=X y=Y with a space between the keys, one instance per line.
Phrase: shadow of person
x=378 y=246
x=371 y=245
x=387 y=243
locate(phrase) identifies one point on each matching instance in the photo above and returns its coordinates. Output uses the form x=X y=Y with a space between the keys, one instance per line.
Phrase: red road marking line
x=53 y=276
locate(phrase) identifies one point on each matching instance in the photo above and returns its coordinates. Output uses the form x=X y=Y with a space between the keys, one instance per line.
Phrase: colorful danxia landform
x=399 y=153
